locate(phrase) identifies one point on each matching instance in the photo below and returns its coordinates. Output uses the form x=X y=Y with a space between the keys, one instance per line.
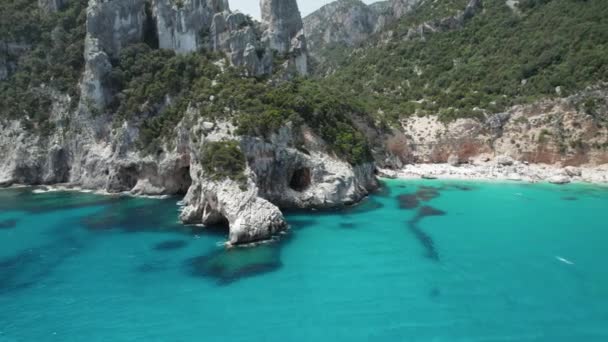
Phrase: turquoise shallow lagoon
x=419 y=261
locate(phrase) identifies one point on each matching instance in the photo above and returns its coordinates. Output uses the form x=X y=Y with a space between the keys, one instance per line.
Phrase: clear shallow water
x=450 y=262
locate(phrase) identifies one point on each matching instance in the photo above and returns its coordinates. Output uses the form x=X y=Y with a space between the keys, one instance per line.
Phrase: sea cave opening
x=300 y=179
x=183 y=180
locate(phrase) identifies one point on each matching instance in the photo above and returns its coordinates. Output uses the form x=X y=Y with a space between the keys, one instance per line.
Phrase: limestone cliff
x=284 y=32
x=346 y=22
x=402 y=7
x=448 y=23
x=181 y=26
x=190 y=26
x=51 y=5
x=567 y=131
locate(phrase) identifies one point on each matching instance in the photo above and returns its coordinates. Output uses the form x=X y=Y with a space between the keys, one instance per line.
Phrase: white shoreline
x=491 y=171
x=41 y=189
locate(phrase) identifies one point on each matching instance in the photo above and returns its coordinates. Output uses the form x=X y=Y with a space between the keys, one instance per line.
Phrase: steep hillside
x=445 y=61
x=343 y=24
x=450 y=78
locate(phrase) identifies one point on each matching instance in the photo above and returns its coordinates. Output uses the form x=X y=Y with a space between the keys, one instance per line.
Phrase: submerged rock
x=8 y=224
x=408 y=201
x=430 y=211
x=230 y=265
x=170 y=245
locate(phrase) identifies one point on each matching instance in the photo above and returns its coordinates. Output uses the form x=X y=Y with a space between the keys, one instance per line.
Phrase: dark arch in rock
x=300 y=179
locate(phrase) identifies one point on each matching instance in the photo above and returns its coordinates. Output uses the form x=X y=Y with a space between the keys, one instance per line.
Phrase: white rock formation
x=181 y=26
x=284 y=32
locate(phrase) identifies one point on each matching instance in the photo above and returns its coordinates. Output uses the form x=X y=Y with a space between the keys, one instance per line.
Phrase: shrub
x=224 y=159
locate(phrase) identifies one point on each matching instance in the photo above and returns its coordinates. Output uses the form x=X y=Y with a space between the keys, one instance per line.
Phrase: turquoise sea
x=419 y=261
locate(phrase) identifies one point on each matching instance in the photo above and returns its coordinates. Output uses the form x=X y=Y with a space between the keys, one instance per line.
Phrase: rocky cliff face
x=347 y=22
x=50 y=6
x=567 y=131
x=448 y=23
x=284 y=32
x=189 y=26
x=402 y=7
x=278 y=176
x=182 y=27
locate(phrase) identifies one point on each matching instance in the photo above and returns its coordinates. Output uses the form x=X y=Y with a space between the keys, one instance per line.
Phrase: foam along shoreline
x=501 y=170
x=42 y=189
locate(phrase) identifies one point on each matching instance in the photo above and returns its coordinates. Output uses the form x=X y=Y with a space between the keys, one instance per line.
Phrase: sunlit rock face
x=284 y=32
x=182 y=27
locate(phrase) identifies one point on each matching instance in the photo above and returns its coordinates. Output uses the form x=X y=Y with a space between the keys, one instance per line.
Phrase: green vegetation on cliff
x=224 y=159
x=159 y=87
x=46 y=51
x=500 y=57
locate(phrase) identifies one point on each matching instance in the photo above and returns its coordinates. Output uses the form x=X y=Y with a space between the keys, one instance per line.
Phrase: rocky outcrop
x=450 y=23
x=567 y=131
x=111 y=26
x=188 y=26
x=343 y=22
x=250 y=217
x=402 y=7
x=10 y=52
x=182 y=26
x=307 y=176
x=50 y=6
x=279 y=176
x=236 y=36
x=284 y=32
x=115 y=24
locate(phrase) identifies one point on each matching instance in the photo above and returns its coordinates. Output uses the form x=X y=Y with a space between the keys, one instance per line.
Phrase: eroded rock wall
x=284 y=32
x=566 y=131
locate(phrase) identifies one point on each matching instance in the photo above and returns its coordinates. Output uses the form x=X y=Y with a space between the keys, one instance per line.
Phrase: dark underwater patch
x=300 y=223
x=347 y=225
x=170 y=245
x=30 y=267
x=408 y=201
x=435 y=292
x=427 y=193
x=425 y=240
x=383 y=191
x=8 y=224
x=364 y=206
x=570 y=198
x=430 y=211
x=459 y=187
x=229 y=265
x=152 y=267
x=136 y=215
